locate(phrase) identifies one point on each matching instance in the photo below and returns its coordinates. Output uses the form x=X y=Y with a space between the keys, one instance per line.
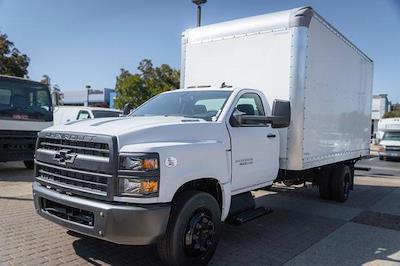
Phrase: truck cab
x=66 y=114
x=25 y=109
x=171 y=148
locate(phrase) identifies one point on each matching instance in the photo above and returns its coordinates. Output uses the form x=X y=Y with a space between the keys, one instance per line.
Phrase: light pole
x=199 y=3
x=87 y=94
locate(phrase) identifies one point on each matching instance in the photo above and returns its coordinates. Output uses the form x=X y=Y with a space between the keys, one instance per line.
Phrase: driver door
x=255 y=147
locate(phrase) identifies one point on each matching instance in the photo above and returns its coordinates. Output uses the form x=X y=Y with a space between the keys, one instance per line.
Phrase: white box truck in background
x=277 y=97
x=25 y=109
x=389 y=139
x=67 y=114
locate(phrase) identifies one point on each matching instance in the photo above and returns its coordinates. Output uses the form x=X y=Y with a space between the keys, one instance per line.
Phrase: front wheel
x=29 y=164
x=193 y=230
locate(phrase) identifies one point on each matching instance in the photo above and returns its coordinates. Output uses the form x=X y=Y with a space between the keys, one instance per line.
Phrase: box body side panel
x=257 y=61
x=337 y=99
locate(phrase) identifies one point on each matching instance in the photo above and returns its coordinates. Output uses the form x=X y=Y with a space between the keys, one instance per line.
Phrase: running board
x=248 y=215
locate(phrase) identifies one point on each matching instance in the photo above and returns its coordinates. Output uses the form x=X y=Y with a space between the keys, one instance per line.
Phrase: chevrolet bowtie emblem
x=64 y=156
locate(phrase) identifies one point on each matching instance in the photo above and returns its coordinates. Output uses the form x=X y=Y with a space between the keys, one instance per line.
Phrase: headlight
x=138 y=174
x=134 y=186
x=137 y=163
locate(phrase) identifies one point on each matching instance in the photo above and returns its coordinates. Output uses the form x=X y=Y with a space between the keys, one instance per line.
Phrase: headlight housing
x=139 y=175
x=138 y=163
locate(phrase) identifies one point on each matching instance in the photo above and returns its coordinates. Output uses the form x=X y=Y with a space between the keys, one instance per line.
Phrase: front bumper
x=121 y=224
x=390 y=154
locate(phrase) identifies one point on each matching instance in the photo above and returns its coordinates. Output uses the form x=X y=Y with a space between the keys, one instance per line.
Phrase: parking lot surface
x=302 y=229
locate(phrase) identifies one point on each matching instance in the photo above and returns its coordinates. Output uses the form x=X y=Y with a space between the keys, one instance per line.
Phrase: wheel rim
x=199 y=234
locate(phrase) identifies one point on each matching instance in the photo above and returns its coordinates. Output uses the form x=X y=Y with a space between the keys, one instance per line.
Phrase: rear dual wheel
x=335 y=184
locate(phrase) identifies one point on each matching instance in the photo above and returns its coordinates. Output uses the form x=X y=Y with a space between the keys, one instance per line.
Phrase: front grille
x=76 y=163
x=17 y=141
x=77 y=147
x=67 y=177
x=392 y=148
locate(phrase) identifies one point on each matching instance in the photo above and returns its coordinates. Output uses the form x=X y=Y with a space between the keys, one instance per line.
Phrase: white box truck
x=389 y=140
x=277 y=97
x=25 y=109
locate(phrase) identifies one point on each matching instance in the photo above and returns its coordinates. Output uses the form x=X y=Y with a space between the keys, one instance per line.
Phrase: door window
x=250 y=104
x=83 y=115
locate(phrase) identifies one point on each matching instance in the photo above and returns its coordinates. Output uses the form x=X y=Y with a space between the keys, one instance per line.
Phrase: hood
x=115 y=126
x=390 y=143
x=133 y=130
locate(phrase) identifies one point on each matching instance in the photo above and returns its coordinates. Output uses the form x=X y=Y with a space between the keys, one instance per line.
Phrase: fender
x=195 y=160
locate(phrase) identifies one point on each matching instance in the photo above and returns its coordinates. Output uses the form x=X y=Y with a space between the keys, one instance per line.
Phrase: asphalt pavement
x=380 y=168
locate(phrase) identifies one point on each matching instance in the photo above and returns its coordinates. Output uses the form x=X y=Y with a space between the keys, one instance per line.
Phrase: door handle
x=271 y=136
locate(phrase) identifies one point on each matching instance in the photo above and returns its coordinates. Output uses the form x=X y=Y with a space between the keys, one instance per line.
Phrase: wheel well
x=208 y=185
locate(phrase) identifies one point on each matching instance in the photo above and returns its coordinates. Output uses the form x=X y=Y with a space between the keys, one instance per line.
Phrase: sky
x=87 y=42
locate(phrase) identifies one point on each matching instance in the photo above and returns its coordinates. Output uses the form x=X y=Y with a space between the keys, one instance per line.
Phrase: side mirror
x=127 y=109
x=280 y=115
x=236 y=118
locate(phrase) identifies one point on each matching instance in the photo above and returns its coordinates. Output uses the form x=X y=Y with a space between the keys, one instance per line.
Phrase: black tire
x=267 y=187
x=179 y=245
x=29 y=164
x=381 y=158
x=340 y=183
x=324 y=185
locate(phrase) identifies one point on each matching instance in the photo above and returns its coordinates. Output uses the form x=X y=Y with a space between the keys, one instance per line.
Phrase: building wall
x=79 y=97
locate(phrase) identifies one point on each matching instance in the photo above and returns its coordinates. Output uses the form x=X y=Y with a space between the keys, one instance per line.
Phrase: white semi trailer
x=277 y=97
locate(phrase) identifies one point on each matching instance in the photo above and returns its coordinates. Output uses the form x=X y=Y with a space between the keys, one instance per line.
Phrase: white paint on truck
x=294 y=107
x=326 y=78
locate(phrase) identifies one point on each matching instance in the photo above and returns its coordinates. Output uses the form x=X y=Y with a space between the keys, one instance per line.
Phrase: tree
x=12 y=62
x=392 y=114
x=148 y=82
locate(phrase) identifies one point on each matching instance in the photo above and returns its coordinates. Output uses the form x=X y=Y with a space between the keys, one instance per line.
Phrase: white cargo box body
x=291 y=55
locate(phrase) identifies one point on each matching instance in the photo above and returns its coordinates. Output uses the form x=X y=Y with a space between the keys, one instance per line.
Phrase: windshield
x=197 y=104
x=25 y=101
x=103 y=113
x=391 y=136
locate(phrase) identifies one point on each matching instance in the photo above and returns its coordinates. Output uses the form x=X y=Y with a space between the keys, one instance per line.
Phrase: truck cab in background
x=66 y=114
x=389 y=138
x=25 y=109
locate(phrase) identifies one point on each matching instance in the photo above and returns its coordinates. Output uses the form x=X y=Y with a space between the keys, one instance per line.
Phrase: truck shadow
x=277 y=238
x=98 y=252
x=15 y=172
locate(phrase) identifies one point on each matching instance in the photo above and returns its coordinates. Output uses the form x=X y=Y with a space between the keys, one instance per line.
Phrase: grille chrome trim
x=73 y=170
x=393 y=148
x=69 y=188
x=91 y=174
x=72 y=179
x=73 y=147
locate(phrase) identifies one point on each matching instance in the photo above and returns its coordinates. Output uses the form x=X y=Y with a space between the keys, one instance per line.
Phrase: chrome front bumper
x=121 y=224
